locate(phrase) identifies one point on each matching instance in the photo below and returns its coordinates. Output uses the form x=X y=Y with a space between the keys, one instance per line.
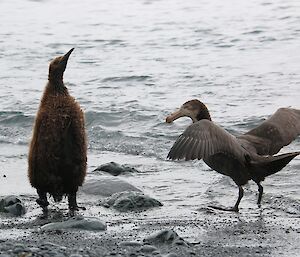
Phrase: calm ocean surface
x=135 y=61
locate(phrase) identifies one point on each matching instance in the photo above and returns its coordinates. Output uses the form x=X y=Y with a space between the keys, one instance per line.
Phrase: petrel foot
x=233 y=209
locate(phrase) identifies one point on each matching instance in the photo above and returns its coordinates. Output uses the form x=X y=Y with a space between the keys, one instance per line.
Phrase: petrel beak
x=174 y=116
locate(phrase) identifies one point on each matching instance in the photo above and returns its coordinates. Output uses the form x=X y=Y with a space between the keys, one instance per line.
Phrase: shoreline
x=205 y=232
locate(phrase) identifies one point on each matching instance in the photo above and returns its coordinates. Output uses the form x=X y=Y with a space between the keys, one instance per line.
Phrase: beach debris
x=129 y=201
x=77 y=222
x=107 y=186
x=116 y=169
x=13 y=205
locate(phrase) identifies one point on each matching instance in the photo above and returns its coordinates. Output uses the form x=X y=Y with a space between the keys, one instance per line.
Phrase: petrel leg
x=43 y=202
x=260 y=193
x=235 y=208
x=241 y=194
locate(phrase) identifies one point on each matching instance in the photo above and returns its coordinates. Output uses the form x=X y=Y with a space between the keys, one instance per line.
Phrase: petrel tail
x=267 y=165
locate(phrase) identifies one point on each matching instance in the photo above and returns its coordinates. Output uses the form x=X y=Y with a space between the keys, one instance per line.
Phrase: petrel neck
x=203 y=113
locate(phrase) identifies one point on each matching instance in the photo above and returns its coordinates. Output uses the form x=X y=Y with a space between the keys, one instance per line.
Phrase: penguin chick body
x=58 y=149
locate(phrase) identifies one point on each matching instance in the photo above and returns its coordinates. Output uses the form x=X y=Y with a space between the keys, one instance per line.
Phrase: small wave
x=15 y=119
x=250 y=123
x=104 y=118
x=253 y=32
x=107 y=42
x=126 y=78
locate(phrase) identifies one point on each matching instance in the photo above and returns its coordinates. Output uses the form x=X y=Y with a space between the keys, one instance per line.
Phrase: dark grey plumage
x=245 y=157
x=276 y=132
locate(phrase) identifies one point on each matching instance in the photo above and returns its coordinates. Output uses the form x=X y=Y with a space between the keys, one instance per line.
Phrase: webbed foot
x=233 y=209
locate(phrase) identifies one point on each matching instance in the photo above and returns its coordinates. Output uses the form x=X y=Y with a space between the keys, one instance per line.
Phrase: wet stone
x=116 y=169
x=78 y=222
x=128 y=201
x=148 y=248
x=171 y=255
x=130 y=244
x=107 y=186
x=13 y=205
x=167 y=236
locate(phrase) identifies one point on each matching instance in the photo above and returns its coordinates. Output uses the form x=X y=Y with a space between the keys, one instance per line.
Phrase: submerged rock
x=167 y=236
x=128 y=201
x=13 y=205
x=116 y=169
x=78 y=222
x=107 y=186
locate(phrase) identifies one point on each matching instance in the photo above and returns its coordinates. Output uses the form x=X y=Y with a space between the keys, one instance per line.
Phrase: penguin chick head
x=58 y=66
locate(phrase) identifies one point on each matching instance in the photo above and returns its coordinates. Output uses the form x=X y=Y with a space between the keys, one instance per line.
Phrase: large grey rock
x=115 y=169
x=13 y=205
x=107 y=186
x=78 y=222
x=128 y=201
x=167 y=236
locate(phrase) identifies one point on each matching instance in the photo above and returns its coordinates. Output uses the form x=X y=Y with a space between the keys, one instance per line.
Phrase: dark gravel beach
x=273 y=230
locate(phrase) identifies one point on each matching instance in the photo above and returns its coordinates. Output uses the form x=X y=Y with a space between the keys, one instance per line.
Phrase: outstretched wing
x=203 y=139
x=276 y=132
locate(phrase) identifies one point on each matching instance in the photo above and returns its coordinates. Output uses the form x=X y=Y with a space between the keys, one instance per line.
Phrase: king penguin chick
x=57 y=155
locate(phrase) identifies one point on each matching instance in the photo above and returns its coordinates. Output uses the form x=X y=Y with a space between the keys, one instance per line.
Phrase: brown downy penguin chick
x=57 y=154
x=243 y=158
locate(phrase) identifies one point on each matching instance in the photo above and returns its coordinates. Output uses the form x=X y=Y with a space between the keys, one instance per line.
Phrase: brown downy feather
x=58 y=149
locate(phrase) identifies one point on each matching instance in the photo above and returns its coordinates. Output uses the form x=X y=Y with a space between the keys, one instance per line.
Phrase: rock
x=107 y=186
x=13 y=205
x=130 y=244
x=148 y=248
x=115 y=169
x=167 y=236
x=171 y=255
x=78 y=222
x=126 y=201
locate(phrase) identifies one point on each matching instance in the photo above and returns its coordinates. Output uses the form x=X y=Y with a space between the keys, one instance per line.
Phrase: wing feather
x=203 y=139
x=276 y=132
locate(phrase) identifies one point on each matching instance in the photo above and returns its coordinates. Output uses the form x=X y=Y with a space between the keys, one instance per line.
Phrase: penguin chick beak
x=65 y=58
